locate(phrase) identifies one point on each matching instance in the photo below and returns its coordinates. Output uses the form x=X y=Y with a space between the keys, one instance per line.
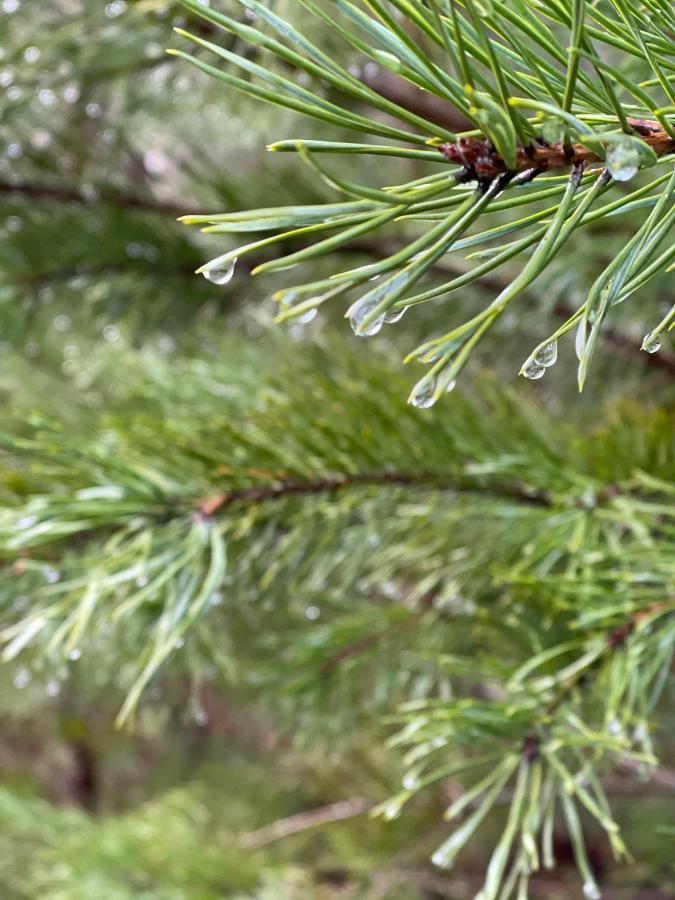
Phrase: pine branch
x=482 y=161
x=113 y=197
x=315 y=818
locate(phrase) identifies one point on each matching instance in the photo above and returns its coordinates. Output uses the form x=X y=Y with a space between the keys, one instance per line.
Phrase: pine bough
x=549 y=86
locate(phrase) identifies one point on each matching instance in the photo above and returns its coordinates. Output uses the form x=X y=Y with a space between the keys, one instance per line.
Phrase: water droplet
x=307 y=317
x=439 y=859
x=614 y=727
x=14 y=150
x=74 y=654
x=47 y=97
x=116 y=8
x=10 y=6
x=216 y=598
x=394 y=315
x=552 y=131
x=53 y=688
x=93 y=110
x=623 y=160
x=111 y=333
x=71 y=93
x=40 y=139
x=21 y=678
x=450 y=386
x=200 y=717
x=591 y=891
x=411 y=782
x=62 y=323
x=580 y=340
x=6 y=78
x=51 y=575
x=312 y=613
x=32 y=54
x=547 y=355
x=423 y=394
x=218 y=273
x=142 y=581
x=651 y=343
x=357 y=313
x=26 y=522
x=532 y=370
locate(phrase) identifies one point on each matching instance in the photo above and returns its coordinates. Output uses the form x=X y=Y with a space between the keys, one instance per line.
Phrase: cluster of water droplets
x=623 y=160
x=544 y=357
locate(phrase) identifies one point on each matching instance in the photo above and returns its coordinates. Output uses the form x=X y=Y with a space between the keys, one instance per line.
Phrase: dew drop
x=580 y=340
x=450 y=386
x=307 y=317
x=312 y=613
x=22 y=678
x=423 y=394
x=71 y=93
x=552 y=131
x=547 y=355
x=74 y=654
x=53 y=688
x=394 y=315
x=47 y=97
x=591 y=891
x=439 y=859
x=32 y=54
x=411 y=782
x=623 y=160
x=51 y=575
x=200 y=717
x=651 y=343
x=532 y=370
x=111 y=333
x=614 y=727
x=220 y=273
x=358 y=311
x=26 y=522
x=116 y=8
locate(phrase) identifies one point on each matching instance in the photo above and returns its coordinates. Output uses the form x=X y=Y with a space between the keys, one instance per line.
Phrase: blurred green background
x=104 y=141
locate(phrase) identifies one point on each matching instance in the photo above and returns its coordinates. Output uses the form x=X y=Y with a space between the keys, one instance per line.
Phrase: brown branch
x=324 y=815
x=119 y=199
x=481 y=160
x=415 y=100
x=208 y=506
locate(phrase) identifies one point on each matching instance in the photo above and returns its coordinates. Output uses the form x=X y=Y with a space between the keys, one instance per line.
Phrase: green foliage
x=467 y=609
x=614 y=112
x=477 y=548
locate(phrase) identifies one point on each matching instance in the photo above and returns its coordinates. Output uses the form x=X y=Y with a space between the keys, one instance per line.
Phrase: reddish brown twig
x=481 y=160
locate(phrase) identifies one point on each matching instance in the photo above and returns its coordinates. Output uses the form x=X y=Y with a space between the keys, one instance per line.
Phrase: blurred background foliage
x=120 y=366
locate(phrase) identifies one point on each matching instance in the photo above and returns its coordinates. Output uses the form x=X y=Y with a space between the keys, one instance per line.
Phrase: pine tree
x=430 y=634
